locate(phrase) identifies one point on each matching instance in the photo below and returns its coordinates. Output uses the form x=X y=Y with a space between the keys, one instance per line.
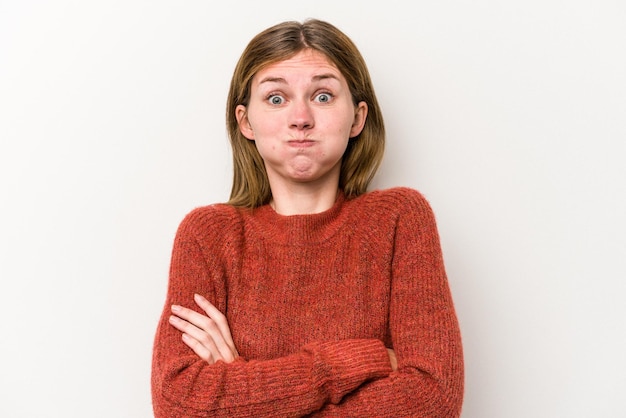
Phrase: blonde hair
x=363 y=156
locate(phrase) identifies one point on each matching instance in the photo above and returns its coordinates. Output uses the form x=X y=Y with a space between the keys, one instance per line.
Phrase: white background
x=508 y=116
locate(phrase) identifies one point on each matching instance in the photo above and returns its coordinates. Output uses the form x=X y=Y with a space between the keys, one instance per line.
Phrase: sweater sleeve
x=185 y=386
x=425 y=333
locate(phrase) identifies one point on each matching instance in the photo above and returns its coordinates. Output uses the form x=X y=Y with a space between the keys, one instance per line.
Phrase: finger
x=198 y=348
x=197 y=339
x=220 y=320
x=393 y=360
x=207 y=332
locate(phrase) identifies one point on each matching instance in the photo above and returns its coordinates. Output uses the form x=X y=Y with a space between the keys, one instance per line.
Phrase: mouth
x=301 y=143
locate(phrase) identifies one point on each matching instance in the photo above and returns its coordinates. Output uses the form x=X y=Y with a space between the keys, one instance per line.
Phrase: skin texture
x=208 y=336
x=301 y=117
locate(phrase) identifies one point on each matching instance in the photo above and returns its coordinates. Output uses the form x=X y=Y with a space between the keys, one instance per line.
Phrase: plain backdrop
x=508 y=115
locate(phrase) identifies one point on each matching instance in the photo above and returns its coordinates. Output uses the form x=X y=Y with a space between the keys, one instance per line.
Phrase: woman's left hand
x=208 y=336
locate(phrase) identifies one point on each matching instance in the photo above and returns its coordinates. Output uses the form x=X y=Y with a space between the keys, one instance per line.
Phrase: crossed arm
x=209 y=335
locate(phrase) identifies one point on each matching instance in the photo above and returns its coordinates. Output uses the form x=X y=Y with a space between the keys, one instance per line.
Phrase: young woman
x=307 y=294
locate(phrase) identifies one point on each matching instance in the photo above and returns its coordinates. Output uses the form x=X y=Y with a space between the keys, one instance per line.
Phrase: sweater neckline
x=300 y=229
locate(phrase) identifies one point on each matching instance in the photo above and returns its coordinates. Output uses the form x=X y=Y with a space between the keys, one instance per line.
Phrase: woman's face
x=301 y=117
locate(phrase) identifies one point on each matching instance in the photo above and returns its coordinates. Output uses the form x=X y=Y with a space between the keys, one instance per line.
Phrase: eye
x=324 y=97
x=275 y=99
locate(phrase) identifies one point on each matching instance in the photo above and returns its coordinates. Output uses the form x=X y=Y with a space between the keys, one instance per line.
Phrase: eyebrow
x=281 y=80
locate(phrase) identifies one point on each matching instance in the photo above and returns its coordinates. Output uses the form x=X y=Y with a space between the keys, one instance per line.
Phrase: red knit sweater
x=312 y=301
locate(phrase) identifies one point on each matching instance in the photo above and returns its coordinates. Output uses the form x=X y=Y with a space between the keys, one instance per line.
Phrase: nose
x=301 y=115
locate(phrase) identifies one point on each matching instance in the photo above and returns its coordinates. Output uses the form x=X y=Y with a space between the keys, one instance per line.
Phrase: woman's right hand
x=207 y=335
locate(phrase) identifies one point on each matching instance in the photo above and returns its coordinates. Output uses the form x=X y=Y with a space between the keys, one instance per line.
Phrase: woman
x=306 y=294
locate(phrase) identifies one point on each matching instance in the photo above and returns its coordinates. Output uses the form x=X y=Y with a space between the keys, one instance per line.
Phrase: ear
x=241 y=113
x=360 y=115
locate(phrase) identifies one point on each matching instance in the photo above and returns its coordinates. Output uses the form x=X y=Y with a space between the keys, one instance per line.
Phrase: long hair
x=364 y=153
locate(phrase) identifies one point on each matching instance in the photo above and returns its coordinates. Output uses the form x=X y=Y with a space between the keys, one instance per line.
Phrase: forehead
x=306 y=63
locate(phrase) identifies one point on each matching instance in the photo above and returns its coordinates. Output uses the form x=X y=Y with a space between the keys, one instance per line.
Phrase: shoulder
x=212 y=213
x=212 y=220
x=411 y=213
x=397 y=200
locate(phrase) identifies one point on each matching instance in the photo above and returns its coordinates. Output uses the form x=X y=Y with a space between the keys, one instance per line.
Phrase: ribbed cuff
x=342 y=366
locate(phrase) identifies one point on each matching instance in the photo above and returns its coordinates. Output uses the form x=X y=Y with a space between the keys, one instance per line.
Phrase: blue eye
x=276 y=100
x=324 y=97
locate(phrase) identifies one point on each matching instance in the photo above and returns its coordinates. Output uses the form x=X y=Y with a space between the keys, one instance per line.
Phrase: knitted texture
x=312 y=302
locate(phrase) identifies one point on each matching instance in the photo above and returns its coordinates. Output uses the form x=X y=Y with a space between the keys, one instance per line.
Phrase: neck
x=303 y=200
